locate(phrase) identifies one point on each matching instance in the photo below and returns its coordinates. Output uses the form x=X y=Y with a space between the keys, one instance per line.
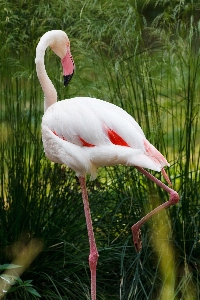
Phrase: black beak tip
x=67 y=79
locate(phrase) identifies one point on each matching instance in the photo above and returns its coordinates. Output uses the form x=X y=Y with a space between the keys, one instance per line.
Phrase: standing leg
x=174 y=198
x=93 y=257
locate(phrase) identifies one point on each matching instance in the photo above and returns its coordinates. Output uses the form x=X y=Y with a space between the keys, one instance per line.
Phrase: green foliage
x=15 y=283
x=144 y=58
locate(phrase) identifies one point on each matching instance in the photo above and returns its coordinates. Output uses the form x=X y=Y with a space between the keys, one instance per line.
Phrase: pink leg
x=93 y=257
x=174 y=198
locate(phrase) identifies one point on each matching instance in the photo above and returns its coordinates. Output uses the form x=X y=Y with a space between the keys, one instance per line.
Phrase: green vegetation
x=146 y=59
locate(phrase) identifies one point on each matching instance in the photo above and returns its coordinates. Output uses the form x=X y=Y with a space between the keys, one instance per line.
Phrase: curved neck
x=50 y=94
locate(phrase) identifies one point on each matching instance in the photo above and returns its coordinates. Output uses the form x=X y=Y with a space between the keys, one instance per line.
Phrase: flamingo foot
x=137 y=237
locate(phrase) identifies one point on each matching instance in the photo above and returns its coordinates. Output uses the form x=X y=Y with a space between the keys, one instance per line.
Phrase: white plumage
x=66 y=123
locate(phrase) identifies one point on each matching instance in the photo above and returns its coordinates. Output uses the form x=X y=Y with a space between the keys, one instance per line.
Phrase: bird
x=86 y=133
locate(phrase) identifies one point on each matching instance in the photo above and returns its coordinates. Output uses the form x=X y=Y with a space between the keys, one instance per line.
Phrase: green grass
x=147 y=64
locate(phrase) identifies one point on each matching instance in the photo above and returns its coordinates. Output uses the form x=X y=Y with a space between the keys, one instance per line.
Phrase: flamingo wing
x=96 y=122
x=97 y=129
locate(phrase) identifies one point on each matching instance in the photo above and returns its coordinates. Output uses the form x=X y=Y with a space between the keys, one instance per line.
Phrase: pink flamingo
x=86 y=133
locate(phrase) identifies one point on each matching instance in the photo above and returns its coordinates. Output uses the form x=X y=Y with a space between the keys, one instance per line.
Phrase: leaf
x=28 y=281
x=9 y=279
x=6 y=278
x=9 y=266
x=33 y=291
x=19 y=281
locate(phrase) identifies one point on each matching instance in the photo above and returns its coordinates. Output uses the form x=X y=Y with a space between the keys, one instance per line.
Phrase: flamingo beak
x=67 y=79
x=68 y=67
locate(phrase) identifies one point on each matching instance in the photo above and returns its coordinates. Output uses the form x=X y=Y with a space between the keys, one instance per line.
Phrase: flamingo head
x=60 y=45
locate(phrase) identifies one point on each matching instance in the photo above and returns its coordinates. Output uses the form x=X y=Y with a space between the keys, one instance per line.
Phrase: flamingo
x=86 y=133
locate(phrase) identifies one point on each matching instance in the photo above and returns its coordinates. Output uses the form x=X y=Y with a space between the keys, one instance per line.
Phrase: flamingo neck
x=50 y=94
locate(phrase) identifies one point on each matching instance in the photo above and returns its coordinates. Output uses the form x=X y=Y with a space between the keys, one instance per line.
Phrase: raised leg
x=93 y=257
x=174 y=198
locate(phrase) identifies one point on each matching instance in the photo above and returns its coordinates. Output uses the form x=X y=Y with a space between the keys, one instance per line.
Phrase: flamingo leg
x=174 y=199
x=93 y=257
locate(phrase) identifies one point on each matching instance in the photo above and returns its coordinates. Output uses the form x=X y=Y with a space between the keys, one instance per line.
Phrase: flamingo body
x=86 y=133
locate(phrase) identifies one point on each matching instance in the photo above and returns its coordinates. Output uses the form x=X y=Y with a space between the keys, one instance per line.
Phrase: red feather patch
x=115 y=138
x=86 y=144
x=54 y=132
